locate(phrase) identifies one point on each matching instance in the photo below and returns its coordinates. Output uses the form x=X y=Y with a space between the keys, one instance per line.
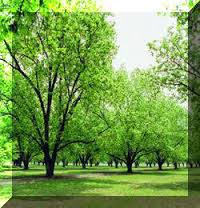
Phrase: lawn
x=101 y=181
x=5 y=186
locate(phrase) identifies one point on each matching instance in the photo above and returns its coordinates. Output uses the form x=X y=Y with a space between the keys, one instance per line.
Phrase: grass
x=97 y=181
x=5 y=186
x=194 y=181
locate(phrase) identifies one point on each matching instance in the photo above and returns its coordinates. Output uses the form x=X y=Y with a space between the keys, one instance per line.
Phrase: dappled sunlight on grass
x=100 y=181
x=5 y=186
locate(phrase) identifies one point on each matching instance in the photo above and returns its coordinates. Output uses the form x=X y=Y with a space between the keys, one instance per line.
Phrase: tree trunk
x=175 y=166
x=116 y=161
x=91 y=160
x=160 y=165
x=49 y=164
x=76 y=162
x=136 y=164
x=26 y=164
x=50 y=169
x=160 y=160
x=130 y=158
x=167 y=164
x=83 y=164
x=129 y=167
x=63 y=163
x=83 y=161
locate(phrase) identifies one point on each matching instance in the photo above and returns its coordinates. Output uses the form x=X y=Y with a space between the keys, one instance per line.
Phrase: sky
x=134 y=31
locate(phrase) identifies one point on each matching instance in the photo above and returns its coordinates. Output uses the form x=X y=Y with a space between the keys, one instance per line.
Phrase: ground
x=5 y=186
x=98 y=181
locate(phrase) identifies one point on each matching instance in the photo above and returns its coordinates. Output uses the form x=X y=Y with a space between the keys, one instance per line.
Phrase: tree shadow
x=62 y=186
x=140 y=172
x=30 y=169
x=161 y=186
x=73 y=185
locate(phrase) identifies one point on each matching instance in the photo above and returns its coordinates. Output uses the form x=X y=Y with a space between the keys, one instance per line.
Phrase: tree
x=143 y=120
x=5 y=117
x=130 y=118
x=169 y=132
x=5 y=144
x=171 y=57
x=86 y=124
x=60 y=58
x=177 y=68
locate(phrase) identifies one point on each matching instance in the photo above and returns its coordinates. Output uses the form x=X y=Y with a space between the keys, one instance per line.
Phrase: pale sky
x=134 y=31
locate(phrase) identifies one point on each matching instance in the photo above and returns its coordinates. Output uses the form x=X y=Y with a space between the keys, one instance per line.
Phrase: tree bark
x=83 y=160
x=49 y=164
x=130 y=157
x=175 y=165
x=160 y=160
x=116 y=163
x=91 y=160
x=129 y=167
x=26 y=164
x=167 y=164
x=83 y=165
x=160 y=165
x=49 y=168
x=63 y=163
x=136 y=164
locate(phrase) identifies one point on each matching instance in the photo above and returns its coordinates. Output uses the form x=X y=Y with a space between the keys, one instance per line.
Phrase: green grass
x=5 y=186
x=101 y=181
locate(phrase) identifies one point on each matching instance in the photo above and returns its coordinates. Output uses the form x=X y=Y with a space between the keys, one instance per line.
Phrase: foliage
x=64 y=58
x=142 y=120
x=68 y=104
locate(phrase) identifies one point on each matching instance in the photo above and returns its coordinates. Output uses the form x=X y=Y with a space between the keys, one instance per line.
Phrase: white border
x=143 y=5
